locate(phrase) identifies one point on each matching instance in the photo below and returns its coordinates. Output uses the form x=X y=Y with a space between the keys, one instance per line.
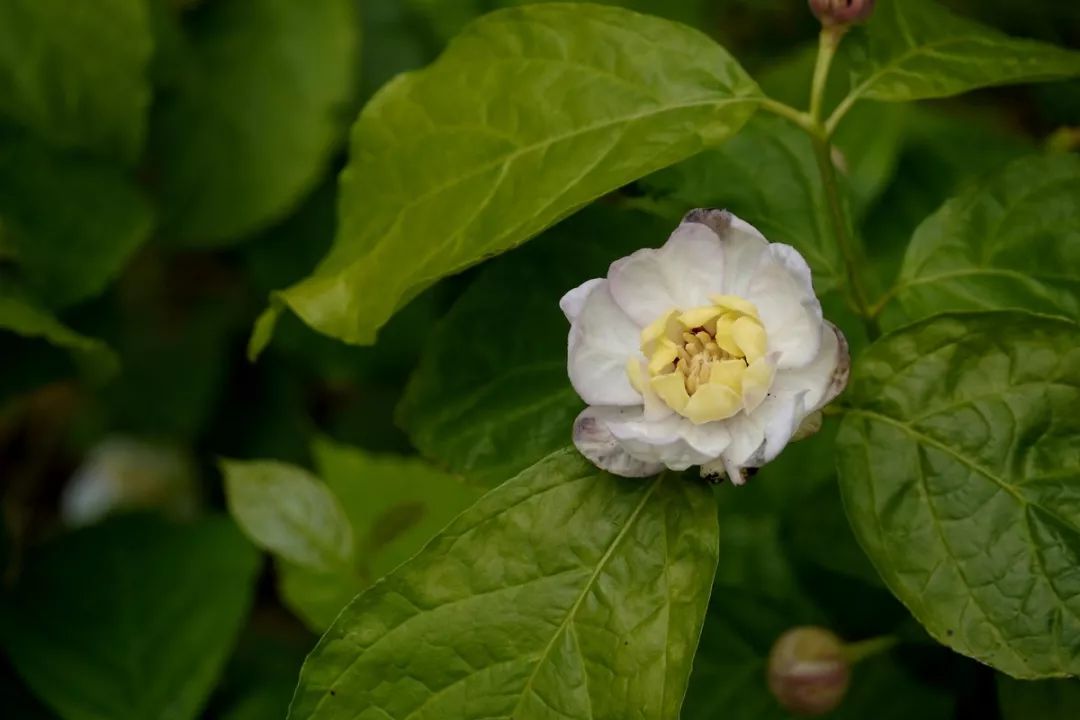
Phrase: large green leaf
x=290 y=513
x=71 y=224
x=258 y=109
x=565 y=592
x=1012 y=241
x=1045 y=700
x=448 y=17
x=528 y=115
x=491 y=395
x=131 y=619
x=916 y=49
x=961 y=476
x=395 y=504
x=77 y=77
x=767 y=176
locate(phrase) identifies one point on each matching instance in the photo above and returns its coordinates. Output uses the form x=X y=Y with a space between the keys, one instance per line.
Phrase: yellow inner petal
x=706 y=363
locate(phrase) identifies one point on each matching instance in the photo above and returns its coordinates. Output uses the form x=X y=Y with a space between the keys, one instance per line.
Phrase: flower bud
x=841 y=12
x=808 y=673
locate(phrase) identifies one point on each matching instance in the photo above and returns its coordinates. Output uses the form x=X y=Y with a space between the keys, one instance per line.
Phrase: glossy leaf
x=77 y=78
x=916 y=49
x=131 y=619
x=71 y=224
x=767 y=176
x=564 y=592
x=960 y=475
x=260 y=106
x=529 y=114
x=491 y=394
x=289 y=512
x=1012 y=241
x=1045 y=700
x=395 y=504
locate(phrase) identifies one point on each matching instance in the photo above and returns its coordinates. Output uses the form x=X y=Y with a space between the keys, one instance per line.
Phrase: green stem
x=828 y=41
x=796 y=117
x=859 y=651
x=848 y=249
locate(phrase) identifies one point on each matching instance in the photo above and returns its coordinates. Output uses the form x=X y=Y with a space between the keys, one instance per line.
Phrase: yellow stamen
x=705 y=363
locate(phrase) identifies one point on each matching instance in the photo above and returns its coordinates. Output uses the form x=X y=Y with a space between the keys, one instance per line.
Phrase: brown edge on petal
x=841 y=372
x=596 y=444
x=716 y=219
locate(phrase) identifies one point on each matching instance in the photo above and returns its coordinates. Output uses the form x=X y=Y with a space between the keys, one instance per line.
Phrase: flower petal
x=680 y=275
x=824 y=377
x=601 y=340
x=594 y=440
x=673 y=441
x=741 y=244
x=782 y=290
x=572 y=302
x=758 y=438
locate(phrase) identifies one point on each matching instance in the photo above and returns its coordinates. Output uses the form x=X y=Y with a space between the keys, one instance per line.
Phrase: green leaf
x=255 y=116
x=959 y=469
x=916 y=49
x=767 y=176
x=1045 y=700
x=564 y=591
x=316 y=596
x=131 y=619
x=448 y=17
x=77 y=79
x=942 y=153
x=491 y=395
x=22 y=316
x=1012 y=241
x=529 y=114
x=395 y=504
x=287 y=511
x=331 y=540
x=71 y=224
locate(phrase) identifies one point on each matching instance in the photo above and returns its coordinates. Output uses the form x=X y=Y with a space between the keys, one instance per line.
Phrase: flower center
x=705 y=363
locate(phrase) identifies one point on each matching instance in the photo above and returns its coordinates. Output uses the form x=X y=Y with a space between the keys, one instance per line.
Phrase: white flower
x=709 y=351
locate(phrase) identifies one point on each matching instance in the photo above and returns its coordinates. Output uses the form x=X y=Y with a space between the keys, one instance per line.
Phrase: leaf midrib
x=586 y=589
x=1013 y=490
x=508 y=158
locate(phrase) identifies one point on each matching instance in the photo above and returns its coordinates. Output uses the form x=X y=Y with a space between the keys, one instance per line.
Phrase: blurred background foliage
x=166 y=164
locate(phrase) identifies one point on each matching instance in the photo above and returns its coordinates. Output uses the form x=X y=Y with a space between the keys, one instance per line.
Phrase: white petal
x=824 y=377
x=784 y=294
x=758 y=438
x=682 y=274
x=601 y=340
x=674 y=441
x=594 y=440
x=574 y=301
x=743 y=248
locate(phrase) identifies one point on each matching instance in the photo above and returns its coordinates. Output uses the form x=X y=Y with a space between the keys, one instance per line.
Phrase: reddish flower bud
x=808 y=673
x=841 y=12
